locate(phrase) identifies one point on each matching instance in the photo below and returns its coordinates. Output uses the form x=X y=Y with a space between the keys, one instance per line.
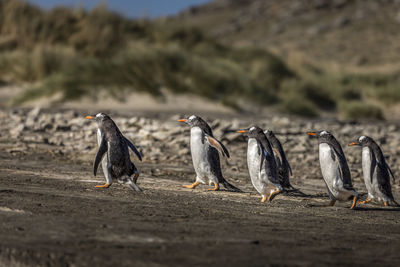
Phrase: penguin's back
x=118 y=155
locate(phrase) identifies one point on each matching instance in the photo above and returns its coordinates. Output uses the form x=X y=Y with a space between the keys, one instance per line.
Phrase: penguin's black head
x=323 y=136
x=194 y=121
x=362 y=141
x=100 y=118
x=253 y=132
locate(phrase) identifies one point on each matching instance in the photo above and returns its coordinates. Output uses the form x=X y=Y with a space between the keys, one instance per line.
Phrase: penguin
x=334 y=168
x=376 y=172
x=206 y=162
x=114 y=154
x=261 y=164
x=282 y=164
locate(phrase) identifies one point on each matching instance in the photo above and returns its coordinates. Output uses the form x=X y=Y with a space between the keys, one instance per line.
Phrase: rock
x=17 y=131
x=341 y=22
x=184 y=151
x=161 y=136
x=232 y=137
x=32 y=117
x=63 y=128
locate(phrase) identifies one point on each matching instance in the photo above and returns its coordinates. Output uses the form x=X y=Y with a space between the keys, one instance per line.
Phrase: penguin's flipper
x=373 y=165
x=286 y=163
x=133 y=148
x=263 y=154
x=99 y=156
x=383 y=178
x=218 y=145
x=289 y=168
x=344 y=170
x=390 y=171
x=278 y=155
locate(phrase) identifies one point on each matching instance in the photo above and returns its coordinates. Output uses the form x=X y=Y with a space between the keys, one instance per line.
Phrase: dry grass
x=77 y=53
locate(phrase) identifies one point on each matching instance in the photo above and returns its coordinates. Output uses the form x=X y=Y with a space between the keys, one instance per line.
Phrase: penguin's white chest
x=366 y=166
x=330 y=170
x=104 y=160
x=253 y=163
x=372 y=185
x=199 y=148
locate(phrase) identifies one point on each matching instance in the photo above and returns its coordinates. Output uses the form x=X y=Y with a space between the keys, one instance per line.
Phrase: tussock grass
x=76 y=53
x=360 y=110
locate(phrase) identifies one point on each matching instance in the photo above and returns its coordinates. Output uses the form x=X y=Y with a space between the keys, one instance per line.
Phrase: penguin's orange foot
x=103 y=186
x=215 y=188
x=273 y=194
x=386 y=203
x=354 y=202
x=366 y=201
x=192 y=186
x=263 y=199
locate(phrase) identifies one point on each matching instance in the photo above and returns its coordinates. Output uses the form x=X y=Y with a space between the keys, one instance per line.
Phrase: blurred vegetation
x=76 y=52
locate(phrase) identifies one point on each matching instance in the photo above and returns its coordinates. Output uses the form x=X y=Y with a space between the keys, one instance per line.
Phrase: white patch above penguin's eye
x=324 y=133
x=192 y=117
x=252 y=128
x=362 y=138
x=98 y=115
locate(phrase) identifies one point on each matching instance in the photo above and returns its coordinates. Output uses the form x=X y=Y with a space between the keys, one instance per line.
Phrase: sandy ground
x=51 y=215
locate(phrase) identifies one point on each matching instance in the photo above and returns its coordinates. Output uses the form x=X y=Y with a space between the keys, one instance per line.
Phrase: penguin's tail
x=289 y=187
x=394 y=203
x=230 y=187
x=131 y=183
x=134 y=186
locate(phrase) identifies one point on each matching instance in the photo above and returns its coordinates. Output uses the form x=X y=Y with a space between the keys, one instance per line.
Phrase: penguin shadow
x=377 y=207
x=300 y=194
x=390 y=208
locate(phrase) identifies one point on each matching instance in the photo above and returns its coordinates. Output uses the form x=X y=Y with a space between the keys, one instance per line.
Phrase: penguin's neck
x=252 y=146
x=196 y=135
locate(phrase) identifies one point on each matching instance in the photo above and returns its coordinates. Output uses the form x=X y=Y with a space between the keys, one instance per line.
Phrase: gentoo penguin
x=376 y=172
x=282 y=164
x=334 y=168
x=116 y=164
x=262 y=164
x=204 y=148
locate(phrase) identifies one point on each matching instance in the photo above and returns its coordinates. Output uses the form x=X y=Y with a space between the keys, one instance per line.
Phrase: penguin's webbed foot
x=103 y=186
x=386 y=203
x=354 y=202
x=215 y=188
x=192 y=186
x=264 y=198
x=273 y=194
x=366 y=201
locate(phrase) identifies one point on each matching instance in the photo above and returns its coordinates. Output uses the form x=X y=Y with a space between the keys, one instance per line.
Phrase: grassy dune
x=77 y=53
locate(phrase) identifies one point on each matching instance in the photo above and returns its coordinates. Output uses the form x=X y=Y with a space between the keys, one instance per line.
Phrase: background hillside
x=349 y=33
x=308 y=58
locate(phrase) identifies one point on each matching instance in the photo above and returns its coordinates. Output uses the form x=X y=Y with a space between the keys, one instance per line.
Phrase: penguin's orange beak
x=353 y=144
x=242 y=131
x=182 y=120
x=312 y=133
x=89 y=117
